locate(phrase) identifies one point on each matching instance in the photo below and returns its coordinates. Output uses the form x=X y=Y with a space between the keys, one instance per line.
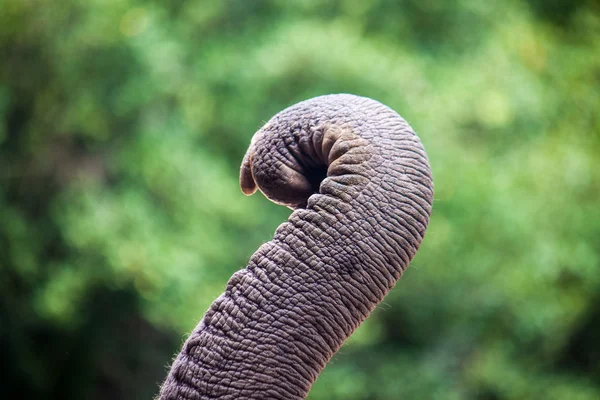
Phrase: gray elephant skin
x=360 y=185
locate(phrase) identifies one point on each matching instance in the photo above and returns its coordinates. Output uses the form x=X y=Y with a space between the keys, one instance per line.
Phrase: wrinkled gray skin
x=360 y=184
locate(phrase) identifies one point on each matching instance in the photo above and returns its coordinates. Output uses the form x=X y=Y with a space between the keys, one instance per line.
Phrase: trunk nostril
x=315 y=176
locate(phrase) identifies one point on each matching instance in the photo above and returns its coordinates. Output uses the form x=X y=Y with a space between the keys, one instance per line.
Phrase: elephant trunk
x=360 y=185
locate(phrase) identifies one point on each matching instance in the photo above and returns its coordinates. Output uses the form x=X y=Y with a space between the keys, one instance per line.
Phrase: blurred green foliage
x=122 y=127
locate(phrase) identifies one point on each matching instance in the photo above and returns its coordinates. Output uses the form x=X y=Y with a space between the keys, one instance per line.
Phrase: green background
x=122 y=126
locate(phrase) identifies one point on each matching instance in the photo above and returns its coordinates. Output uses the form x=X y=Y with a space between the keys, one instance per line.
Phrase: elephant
x=360 y=186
